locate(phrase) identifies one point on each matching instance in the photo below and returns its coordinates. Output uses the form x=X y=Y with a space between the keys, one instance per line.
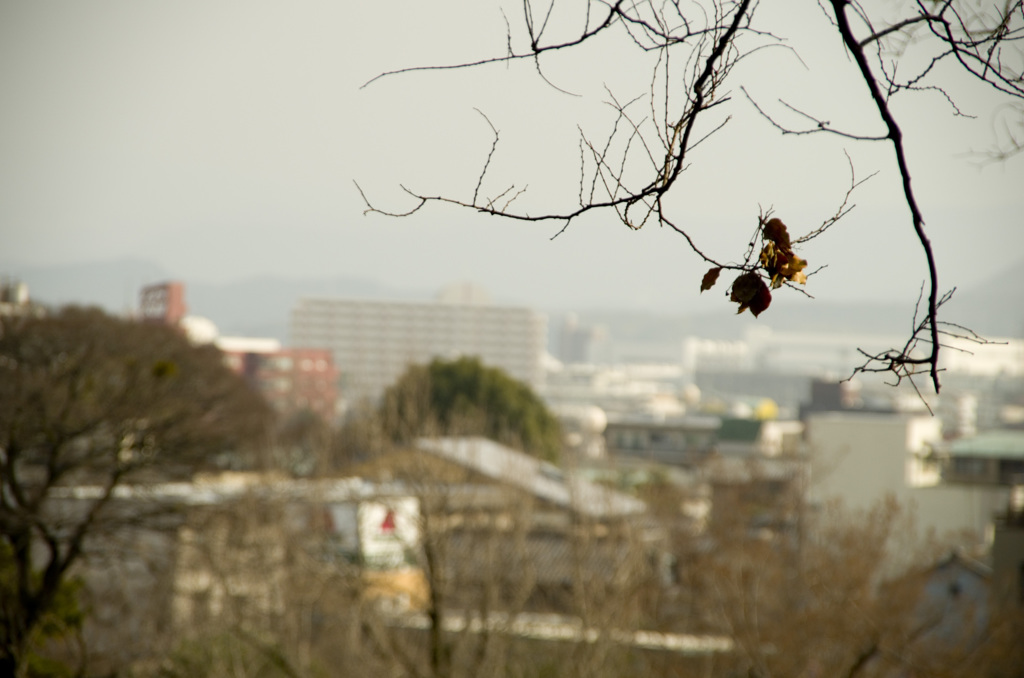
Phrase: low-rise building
x=679 y=442
x=519 y=532
x=290 y=379
x=954 y=605
x=989 y=458
x=993 y=463
x=689 y=441
x=226 y=547
x=863 y=457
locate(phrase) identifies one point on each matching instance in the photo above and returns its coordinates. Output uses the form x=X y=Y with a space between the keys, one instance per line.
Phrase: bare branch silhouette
x=634 y=166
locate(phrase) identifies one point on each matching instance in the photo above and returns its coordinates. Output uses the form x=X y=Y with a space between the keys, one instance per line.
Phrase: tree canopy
x=465 y=397
x=87 y=399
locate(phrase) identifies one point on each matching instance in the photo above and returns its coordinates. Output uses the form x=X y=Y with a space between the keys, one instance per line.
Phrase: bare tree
x=840 y=597
x=844 y=598
x=636 y=169
x=492 y=554
x=88 y=404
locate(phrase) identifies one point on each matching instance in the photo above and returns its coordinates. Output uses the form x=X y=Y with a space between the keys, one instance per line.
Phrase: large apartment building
x=373 y=342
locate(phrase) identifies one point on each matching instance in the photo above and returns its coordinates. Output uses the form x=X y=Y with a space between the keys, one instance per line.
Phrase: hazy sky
x=222 y=139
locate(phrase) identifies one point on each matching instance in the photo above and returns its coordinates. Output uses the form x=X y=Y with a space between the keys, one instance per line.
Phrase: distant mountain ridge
x=113 y=285
x=261 y=306
x=993 y=308
x=257 y=306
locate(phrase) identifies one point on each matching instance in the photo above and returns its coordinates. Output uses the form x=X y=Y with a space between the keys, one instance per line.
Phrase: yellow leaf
x=793 y=270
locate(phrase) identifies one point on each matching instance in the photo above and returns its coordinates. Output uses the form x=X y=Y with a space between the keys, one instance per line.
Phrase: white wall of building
x=373 y=342
x=998 y=357
x=860 y=458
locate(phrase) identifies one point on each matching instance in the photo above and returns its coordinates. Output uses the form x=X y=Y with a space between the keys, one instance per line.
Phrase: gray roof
x=958 y=559
x=539 y=478
x=997 y=444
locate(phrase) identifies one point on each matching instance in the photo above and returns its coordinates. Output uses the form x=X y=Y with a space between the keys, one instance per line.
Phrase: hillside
x=261 y=306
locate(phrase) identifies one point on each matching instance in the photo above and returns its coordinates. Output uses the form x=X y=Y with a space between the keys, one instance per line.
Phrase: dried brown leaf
x=710 y=278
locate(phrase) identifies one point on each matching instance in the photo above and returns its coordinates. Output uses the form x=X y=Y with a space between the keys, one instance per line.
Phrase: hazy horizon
x=222 y=141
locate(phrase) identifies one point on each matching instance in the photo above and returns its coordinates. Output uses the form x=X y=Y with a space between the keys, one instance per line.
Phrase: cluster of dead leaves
x=778 y=263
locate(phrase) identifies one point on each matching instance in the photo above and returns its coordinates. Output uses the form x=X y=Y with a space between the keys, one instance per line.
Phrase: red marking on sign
x=389 y=522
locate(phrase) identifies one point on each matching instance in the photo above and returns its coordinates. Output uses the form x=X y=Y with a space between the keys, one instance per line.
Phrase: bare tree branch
x=637 y=163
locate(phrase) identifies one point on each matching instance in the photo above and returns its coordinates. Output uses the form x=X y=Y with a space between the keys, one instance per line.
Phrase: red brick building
x=291 y=379
x=163 y=303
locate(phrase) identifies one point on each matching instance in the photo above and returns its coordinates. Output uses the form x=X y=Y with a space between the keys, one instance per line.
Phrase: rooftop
x=1001 y=443
x=539 y=478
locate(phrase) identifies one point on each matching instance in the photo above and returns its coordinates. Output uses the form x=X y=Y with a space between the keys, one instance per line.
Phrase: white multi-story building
x=863 y=457
x=373 y=342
